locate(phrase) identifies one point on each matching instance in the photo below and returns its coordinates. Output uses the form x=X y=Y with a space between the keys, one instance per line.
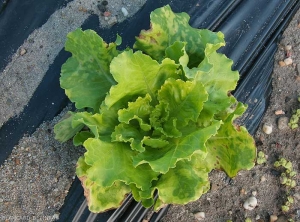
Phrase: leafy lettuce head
x=158 y=118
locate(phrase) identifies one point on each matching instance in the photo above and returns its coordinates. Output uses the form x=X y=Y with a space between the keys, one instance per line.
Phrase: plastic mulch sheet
x=251 y=30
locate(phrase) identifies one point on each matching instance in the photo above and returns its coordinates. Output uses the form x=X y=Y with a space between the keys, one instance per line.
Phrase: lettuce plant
x=156 y=119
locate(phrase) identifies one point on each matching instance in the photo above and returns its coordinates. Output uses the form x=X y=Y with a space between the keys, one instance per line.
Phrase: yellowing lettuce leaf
x=232 y=149
x=111 y=162
x=100 y=198
x=184 y=183
x=168 y=27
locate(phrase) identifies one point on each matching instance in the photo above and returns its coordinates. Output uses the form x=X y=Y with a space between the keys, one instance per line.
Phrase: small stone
x=1 y=200
x=281 y=63
x=283 y=122
x=242 y=192
x=279 y=112
x=257 y=217
x=254 y=193
x=288 y=47
x=282 y=218
x=267 y=128
x=273 y=218
x=113 y=20
x=124 y=11
x=250 y=203
x=82 y=9
x=288 y=61
x=297 y=196
x=214 y=187
x=55 y=190
x=105 y=3
x=298 y=213
x=101 y=8
x=106 y=14
x=200 y=216
x=263 y=179
x=55 y=216
x=17 y=161
x=22 y=51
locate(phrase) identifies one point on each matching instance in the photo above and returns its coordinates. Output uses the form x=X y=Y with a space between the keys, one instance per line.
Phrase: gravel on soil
x=37 y=176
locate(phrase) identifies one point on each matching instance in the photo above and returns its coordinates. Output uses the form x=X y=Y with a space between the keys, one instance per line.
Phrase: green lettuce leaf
x=86 y=76
x=178 y=149
x=129 y=133
x=168 y=27
x=64 y=130
x=139 y=110
x=218 y=83
x=143 y=70
x=185 y=100
x=82 y=136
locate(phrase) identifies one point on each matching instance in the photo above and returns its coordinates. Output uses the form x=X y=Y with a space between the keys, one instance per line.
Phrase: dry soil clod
x=283 y=122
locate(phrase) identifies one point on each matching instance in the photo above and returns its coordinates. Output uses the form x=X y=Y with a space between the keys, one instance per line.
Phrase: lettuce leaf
x=85 y=76
x=168 y=27
x=143 y=69
x=183 y=184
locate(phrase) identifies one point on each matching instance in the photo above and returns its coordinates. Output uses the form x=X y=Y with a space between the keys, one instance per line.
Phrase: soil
x=36 y=177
